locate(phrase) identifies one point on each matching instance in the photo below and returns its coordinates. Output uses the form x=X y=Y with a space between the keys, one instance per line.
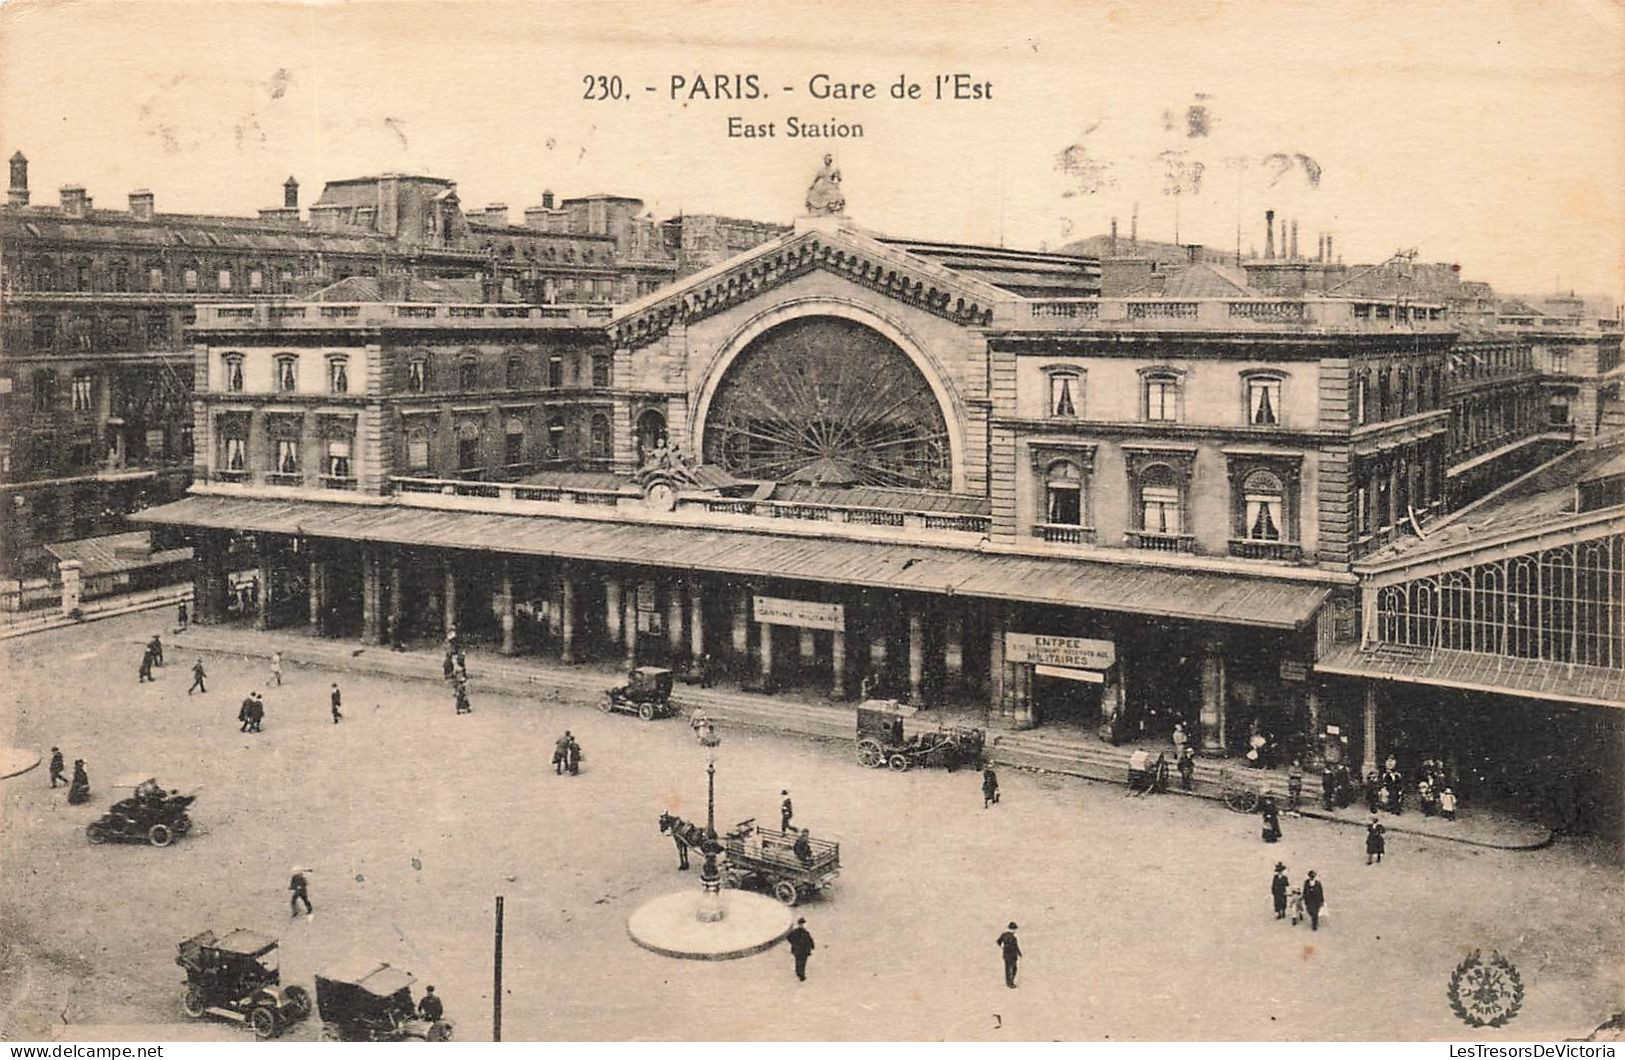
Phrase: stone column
x=997 y=687
x=741 y=628
x=953 y=647
x=696 y=621
x=317 y=596
x=262 y=613
x=507 y=606
x=209 y=578
x=629 y=597
x=1368 y=743
x=877 y=651
x=612 y=609
x=837 y=664
x=396 y=635
x=806 y=645
x=1312 y=709
x=764 y=645
x=1213 y=692
x=916 y=654
x=451 y=595
x=371 y=594
x=674 y=619
x=567 y=618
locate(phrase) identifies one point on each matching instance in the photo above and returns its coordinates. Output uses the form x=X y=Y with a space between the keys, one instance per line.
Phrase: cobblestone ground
x=1141 y=918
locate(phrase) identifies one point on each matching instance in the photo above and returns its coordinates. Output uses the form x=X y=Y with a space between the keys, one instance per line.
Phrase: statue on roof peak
x=825 y=197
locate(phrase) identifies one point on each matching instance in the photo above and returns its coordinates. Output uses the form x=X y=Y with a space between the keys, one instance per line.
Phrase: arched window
x=1362 y=399
x=1384 y=396
x=1063 y=494
x=417 y=449
x=1160 y=509
x=1264 y=507
x=555 y=437
x=601 y=443
x=516 y=372
x=651 y=433
x=468 y=374
x=513 y=442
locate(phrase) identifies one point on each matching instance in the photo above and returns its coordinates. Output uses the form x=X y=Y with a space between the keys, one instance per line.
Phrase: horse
x=685 y=834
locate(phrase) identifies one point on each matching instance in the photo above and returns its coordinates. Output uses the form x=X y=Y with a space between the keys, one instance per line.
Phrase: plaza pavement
x=1141 y=918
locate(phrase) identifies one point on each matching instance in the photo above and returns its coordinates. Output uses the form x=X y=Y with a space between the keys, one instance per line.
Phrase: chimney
x=497 y=213
x=1294 y=254
x=1269 y=235
x=547 y=200
x=1134 y=228
x=1114 y=237
x=1320 y=248
x=74 y=201
x=290 y=194
x=141 y=205
x=1329 y=258
x=18 y=195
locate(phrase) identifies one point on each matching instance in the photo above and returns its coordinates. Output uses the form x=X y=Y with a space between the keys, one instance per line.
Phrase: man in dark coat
x=1187 y=768
x=145 y=673
x=561 y=753
x=338 y=701
x=1271 y=817
x=246 y=713
x=801 y=946
x=1012 y=954
x=786 y=811
x=57 y=767
x=79 y=790
x=1328 y=787
x=198 y=675
x=1375 y=841
x=1278 y=888
x=156 y=646
x=802 y=847
x=990 y=787
x=298 y=892
x=1314 y=896
x=572 y=756
x=430 y=1007
x=256 y=713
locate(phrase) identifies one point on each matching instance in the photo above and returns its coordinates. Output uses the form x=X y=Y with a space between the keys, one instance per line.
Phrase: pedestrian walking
x=1447 y=804
x=572 y=755
x=1328 y=787
x=145 y=673
x=801 y=946
x=1375 y=841
x=1314 y=899
x=1012 y=954
x=198 y=674
x=459 y=697
x=79 y=789
x=1294 y=788
x=786 y=811
x=256 y=713
x=299 y=891
x=1373 y=792
x=1271 y=817
x=276 y=668
x=1187 y=769
x=707 y=667
x=245 y=713
x=156 y=646
x=561 y=753
x=57 y=767
x=337 y=701
x=1294 y=898
x=990 y=787
x=1180 y=739
x=1279 y=886
x=182 y=619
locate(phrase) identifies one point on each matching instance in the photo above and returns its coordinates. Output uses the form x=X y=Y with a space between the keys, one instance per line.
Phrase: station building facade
x=839 y=463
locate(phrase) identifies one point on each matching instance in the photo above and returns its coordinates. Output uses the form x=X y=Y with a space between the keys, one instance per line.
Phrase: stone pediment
x=865 y=261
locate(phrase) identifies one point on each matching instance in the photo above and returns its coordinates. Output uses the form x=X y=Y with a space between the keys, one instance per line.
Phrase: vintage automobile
x=647 y=693
x=150 y=815
x=881 y=741
x=236 y=978
x=366 y=1000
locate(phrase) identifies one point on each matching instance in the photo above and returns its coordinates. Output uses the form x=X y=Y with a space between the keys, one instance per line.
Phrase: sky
x=1489 y=133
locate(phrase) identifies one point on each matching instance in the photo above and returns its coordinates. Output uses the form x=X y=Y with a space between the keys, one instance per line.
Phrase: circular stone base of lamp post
x=15 y=760
x=671 y=926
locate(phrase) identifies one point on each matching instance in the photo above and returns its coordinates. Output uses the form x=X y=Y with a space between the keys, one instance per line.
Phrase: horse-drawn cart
x=766 y=859
x=881 y=740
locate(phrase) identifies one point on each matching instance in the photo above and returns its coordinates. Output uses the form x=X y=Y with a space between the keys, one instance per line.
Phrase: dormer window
x=1065 y=393
x=1263 y=400
x=233 y=365
x=287 y=374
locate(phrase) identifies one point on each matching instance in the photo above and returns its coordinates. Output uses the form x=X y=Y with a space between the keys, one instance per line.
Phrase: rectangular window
x=555 y=370
x=256 y=280
x=287 y=456
x=516 y=372
x=1557 y=410
x=417 y=453
x=1063 y=402
x=155 y=279
x=468 y=454
x=1560 y=362
x=236 y=454
x=189 y=278
x=514 y=449
x=1264 y=402
x=1161 y=508
x=83 y=393
x=157 y=329
x=600 y=369
x=225 y=279
x=338 y=458
x=1161 y=400
x=338 y=375
x=287 y=379
x=468 y=375
x=1362 y=392
x=234 y=375
x=417 y=376
x=1065 y=505
x=44 y=333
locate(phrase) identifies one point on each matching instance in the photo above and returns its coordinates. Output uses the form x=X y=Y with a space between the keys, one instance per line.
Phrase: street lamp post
x=710 y=908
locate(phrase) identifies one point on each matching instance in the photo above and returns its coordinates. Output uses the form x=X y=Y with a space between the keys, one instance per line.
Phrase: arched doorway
x=828 y=401
x=651 y=433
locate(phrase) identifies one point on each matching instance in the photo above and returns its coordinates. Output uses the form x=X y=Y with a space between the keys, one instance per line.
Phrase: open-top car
x=236 y=978
x=149 y=815
x=367 y=1000
x=647 y=693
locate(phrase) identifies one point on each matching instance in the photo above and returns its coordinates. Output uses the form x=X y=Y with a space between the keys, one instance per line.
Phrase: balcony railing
x=1065 y=533
x=284 y=478
x=229 y=476
x=964 y=524
x=1155 y=542
x=1245 y=548
x=339 y=482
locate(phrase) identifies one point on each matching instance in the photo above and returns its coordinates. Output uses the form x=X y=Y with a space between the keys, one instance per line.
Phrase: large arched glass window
x=1264 y=507
x=1063 y=494
x=1160 y=509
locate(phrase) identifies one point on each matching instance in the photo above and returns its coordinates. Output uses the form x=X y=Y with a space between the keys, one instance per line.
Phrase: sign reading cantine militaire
x=1077 y=653
x=807 y=614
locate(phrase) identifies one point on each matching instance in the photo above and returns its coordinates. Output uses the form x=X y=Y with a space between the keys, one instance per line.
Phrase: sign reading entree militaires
x=1078 y=653
x=807 y=614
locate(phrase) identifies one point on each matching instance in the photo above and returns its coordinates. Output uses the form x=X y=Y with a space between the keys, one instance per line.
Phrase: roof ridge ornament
x=825 y=197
